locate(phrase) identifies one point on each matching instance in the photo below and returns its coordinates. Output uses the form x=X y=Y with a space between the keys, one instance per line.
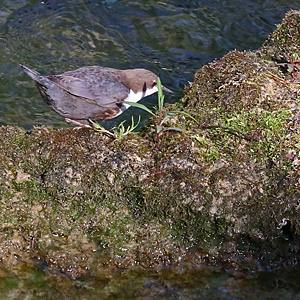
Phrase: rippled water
x=171 y=38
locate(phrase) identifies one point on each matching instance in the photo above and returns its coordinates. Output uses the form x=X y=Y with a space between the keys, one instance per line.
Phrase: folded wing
x=96 y=84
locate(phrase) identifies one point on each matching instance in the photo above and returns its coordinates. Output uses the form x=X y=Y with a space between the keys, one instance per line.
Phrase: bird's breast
x=132 y=97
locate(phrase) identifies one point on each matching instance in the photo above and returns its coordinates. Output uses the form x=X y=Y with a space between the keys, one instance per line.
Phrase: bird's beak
x=166 y=90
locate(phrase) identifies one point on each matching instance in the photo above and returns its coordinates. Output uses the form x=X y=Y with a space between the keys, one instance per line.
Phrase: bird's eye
x=154 y=84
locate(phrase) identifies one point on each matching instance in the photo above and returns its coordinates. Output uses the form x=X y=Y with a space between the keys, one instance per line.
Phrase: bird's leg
x=78 y=123
x=100 y=128
x=84 y=124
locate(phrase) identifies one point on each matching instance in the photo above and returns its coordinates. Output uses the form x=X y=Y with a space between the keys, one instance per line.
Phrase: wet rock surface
x=225 y=192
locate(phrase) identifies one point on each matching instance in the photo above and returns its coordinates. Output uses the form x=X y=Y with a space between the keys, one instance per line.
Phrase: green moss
x=78 y=200
x=208 y=151
x=285 y=39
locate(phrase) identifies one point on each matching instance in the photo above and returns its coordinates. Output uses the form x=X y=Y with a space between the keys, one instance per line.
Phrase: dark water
x=171 y=38
x=164 y=284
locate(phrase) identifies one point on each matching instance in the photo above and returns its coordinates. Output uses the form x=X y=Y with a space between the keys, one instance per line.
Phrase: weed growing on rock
x=158 y=114
x=120 y=131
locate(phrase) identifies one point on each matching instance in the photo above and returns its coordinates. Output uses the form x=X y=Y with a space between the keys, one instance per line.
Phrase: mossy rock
x=224 y=192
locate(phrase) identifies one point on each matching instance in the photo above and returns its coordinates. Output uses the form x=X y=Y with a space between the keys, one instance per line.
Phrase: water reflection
x=171 y=38
x=138 y=283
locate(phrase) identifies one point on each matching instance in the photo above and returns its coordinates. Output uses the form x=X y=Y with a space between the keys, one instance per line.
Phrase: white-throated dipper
x=94 y=92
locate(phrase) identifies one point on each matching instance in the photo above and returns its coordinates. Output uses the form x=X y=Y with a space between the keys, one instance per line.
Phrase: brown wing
x=98 y=85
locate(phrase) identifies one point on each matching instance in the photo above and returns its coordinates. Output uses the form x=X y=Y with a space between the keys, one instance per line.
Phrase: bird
x=94 y=93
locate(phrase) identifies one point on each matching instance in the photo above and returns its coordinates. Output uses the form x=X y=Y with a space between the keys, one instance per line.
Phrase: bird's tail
x=43 y=80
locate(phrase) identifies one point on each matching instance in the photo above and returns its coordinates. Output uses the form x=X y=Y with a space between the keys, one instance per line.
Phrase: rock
x=213 y=195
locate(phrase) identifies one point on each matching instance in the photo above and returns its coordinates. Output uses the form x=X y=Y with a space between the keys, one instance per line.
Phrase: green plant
x=158 y=114
x=120 y=131
x=294 y=63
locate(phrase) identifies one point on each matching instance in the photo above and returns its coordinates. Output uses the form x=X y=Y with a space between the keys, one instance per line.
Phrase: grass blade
x=161 y=96
x=174 y=128
x=184 y=113
x=167 y=117
x=158 y=128
x=134 y=126
x=141 y=106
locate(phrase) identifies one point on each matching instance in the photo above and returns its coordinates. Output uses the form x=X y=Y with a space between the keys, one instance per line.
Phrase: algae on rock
x=224 y=191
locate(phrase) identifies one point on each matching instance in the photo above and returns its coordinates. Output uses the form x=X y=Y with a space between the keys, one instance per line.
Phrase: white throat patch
x=136 y=97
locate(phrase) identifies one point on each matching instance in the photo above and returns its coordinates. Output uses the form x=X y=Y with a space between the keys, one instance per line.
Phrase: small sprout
x=120 y=131
x=161 y=96
x=294 y=57
x=170 y=114
x=294 y=63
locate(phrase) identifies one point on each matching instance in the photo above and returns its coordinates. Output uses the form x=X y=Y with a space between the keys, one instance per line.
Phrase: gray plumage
x=92 y=92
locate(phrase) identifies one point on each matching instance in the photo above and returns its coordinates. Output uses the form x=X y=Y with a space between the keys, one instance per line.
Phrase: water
x=165 y=284
x=171 y=38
